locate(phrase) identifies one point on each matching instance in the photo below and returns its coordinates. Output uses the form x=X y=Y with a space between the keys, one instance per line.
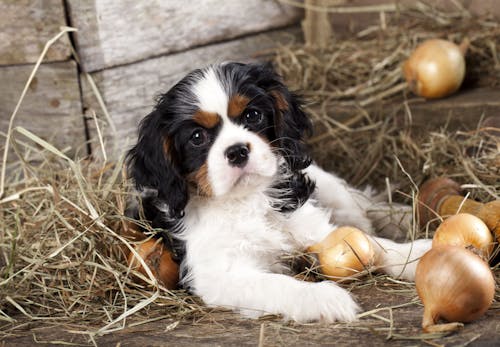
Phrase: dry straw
x=61 y=253
x=360 y=102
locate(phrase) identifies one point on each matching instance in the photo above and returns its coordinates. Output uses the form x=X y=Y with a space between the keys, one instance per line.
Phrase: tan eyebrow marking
x=206 y=119
x=237 y=105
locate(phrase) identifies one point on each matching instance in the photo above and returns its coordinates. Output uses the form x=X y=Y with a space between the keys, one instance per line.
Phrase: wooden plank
x=484 y=7
x=117 y=32
x=316 y=25
x=462 y=110
x=129 y=91
x=52 y=107
x=349 y=23
x=231 y=329
x=25 y=27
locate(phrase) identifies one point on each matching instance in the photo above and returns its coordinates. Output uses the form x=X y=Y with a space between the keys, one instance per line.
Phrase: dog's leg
x=348 y=205
x=310 y=224
x=255 y=292
x=399 y=259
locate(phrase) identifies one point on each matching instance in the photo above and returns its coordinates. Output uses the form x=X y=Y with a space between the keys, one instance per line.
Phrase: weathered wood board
x=396 y=324
x=462 y=110
x=117 y=32
x=351 y=23
x=129 y=91
x=25 y=27
x=52 y=106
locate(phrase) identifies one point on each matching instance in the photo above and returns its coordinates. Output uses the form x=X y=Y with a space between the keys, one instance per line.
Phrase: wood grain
x=460 y=111
x=116 y=32
x=316 y=25
x=25 y=27
x=52 y=107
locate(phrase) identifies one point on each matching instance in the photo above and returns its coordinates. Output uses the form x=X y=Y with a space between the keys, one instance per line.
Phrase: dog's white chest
x=241 y=229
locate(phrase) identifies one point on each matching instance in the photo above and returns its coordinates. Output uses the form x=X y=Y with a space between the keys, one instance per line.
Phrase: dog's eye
x=253 y=117
x=199 y=137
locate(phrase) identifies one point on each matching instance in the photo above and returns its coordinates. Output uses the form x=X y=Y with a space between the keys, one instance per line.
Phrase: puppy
x=222 y=167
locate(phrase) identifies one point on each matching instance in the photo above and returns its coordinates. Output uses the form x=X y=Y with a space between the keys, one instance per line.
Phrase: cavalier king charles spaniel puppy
x=222 y=169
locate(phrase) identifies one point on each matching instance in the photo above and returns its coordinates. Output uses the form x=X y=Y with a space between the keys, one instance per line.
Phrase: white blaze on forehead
x=211 y=94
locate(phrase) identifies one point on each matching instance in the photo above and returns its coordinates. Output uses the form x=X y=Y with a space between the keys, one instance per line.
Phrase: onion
x=436 y=68
x=465 y=230
x=159 y=260
x=454 y=284
x=491 y=217
x=344 y=252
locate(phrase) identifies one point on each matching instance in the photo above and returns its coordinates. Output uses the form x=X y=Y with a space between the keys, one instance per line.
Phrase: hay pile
x=361 y=69
x=362 y=74
x=61 y=255
x=62 y=259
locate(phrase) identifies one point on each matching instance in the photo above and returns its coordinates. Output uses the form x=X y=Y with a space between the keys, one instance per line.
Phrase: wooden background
x=134 y=50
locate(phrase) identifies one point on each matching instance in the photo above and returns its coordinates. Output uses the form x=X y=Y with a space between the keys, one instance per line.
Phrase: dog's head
x=219 y=131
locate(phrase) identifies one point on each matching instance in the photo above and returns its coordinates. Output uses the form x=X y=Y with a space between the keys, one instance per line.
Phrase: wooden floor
x=228 y=329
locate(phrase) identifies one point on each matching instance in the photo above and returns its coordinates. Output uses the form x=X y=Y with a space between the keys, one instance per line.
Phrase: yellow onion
x=465 y=230
x=436 y=68
x=454 y=284
x=490 y=214
x=343 y=253
x=159 y=261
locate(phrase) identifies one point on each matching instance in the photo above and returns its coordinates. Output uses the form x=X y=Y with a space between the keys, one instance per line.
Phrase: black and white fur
x=222 y=167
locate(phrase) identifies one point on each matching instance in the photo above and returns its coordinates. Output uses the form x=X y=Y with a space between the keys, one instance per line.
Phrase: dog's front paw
x=336 y=303
x=326 y=302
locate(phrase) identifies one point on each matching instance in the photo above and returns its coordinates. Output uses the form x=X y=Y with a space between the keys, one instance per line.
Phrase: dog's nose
x=237 y=155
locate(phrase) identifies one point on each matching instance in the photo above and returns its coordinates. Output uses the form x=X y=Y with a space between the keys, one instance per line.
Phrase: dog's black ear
x=152 y=164
x=291 y=124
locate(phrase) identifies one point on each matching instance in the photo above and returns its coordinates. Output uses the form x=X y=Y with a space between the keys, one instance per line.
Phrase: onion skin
x=343 y=253
x=454 y=284
x=160 y=262
x=443 y=196
x=491 y=216
x=431 y=195
x=436 y=68
x=465 y=230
